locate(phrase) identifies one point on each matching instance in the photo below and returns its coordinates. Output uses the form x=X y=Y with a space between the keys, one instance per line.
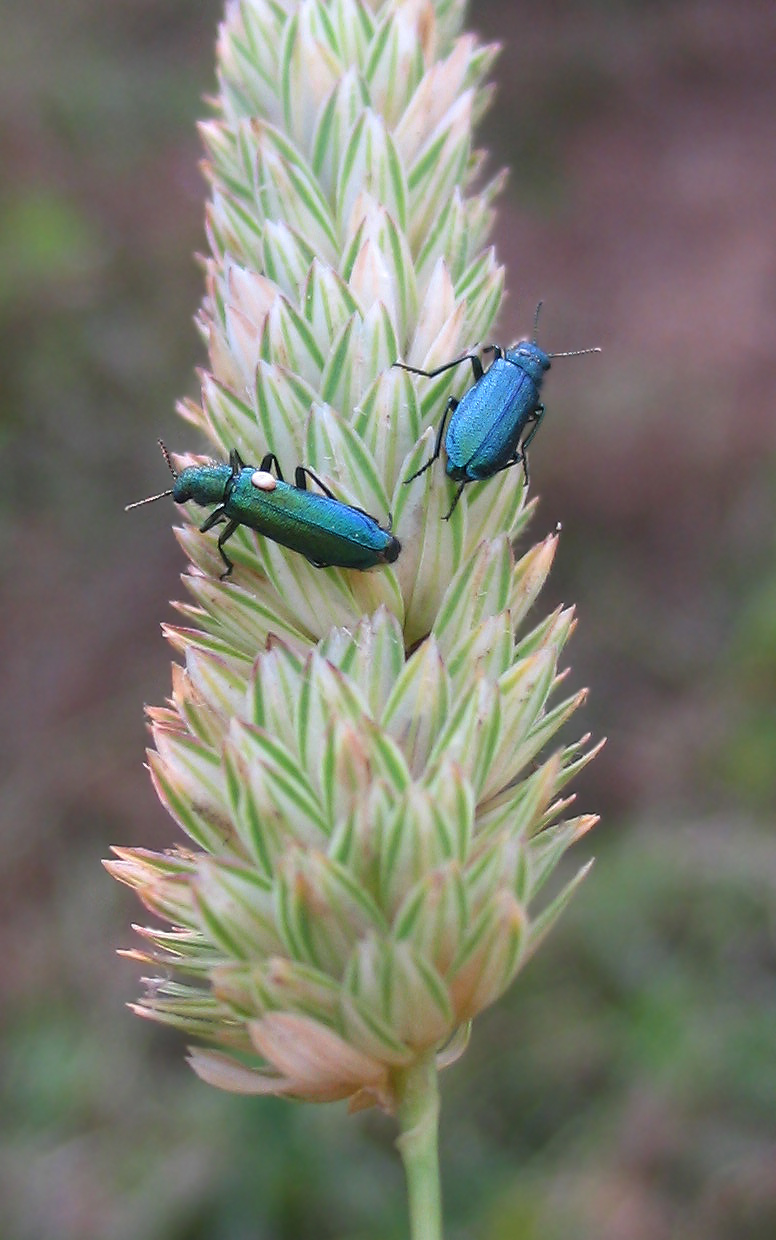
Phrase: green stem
x=418 y=1116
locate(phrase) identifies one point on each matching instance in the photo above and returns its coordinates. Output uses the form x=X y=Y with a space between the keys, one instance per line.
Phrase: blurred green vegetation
x=625 y=1088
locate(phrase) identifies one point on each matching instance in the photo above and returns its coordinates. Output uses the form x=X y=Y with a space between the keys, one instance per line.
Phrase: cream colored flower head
x=364 y=763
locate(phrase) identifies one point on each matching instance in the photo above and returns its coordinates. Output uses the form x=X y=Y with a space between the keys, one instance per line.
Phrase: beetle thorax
x=205 y=484
x=529 y=357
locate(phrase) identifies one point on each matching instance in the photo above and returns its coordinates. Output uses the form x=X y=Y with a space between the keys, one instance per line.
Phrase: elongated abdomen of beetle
x=325 y=531
x=485 y=429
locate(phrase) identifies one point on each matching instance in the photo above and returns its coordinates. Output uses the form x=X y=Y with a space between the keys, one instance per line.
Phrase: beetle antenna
x=150 y=500
x=170 y=465
x=161 y=495
x=536 y=321
x=576 y=352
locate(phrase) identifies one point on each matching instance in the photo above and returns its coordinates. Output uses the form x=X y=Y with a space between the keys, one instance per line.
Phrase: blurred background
x=626 y=1088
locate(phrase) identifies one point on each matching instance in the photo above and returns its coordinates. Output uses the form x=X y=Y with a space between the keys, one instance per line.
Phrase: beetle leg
x=422 y=469
x=537 y=418
x=301 y=481
x=216 y=515
x=431 y=374
x=227 y=532
x=456 y=498
x=450 y=407
x=267 y=461
x=518 y=459
x=522 y=455
x=236 y=462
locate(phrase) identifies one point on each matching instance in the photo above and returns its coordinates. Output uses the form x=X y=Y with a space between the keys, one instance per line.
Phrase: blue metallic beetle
x=496 y=419
x=324 y=530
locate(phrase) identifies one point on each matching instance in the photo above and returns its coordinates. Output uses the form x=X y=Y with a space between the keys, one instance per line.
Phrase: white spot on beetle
x=263 y=480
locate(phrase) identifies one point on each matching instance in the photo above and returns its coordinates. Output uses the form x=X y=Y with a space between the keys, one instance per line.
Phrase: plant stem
x=418 y=1116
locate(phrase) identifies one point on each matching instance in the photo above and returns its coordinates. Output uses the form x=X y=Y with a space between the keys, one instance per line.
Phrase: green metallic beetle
x=324 y=530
